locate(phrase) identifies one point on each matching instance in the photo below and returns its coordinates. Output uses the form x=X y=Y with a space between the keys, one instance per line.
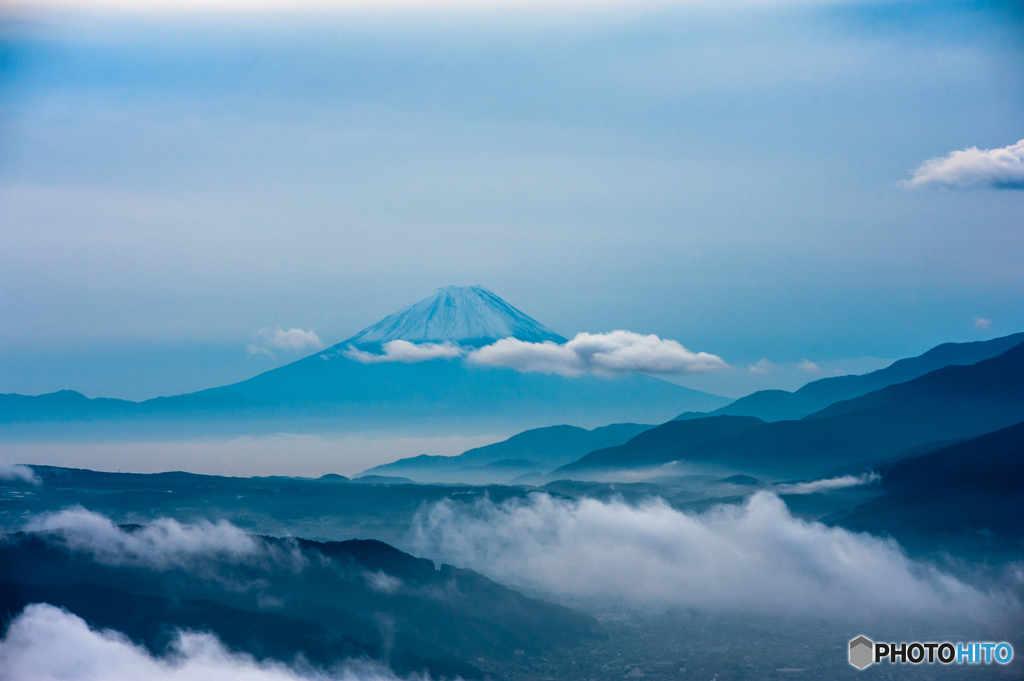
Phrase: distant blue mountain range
x=950 y=403
x=780 y=405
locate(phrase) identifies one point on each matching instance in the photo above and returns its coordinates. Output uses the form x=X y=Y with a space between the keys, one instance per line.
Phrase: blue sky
x=172 y=181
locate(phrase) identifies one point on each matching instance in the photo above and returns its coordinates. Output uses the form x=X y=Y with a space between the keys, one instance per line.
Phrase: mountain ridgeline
x=666 y=443
x=943 y=499
x=536 y=450
x=780 y=405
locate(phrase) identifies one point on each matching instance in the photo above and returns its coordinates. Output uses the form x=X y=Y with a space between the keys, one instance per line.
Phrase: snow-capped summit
x=466 y=315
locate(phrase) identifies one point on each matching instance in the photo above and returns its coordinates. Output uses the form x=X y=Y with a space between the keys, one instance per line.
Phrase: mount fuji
x=352 y=385
x=332 y=383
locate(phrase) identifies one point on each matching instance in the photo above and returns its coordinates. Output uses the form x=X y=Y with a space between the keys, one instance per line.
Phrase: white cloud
x=982 y=323
x=17 y=472
x=808 y=367
x=760 y=367
x=45 y=643
x=751 y=558
x=406 y=352
x=163 y=544
x=997 y=168
x=547 y=357
x=292 y=339
x=382 y=582
x=606 y=354
x=258 y=350
x=828 y=484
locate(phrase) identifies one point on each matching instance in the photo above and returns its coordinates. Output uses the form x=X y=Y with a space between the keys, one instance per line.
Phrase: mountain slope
x=288 y=596
x=962 y=496
x=668 y=442
x=780 y=405
x=452 y=391
x=341 y=393
x=954 y=402
x=544 y=448
x=466 y=315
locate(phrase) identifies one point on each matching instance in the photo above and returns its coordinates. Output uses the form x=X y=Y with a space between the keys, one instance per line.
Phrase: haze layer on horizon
x=175 y=185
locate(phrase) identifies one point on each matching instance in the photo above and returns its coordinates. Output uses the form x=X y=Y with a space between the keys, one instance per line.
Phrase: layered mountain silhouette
x=329 y=601
x=538 y=449
x=953 y=402
x=668 y=442
x=340 y=390
x=964 y=497
x=781 y=405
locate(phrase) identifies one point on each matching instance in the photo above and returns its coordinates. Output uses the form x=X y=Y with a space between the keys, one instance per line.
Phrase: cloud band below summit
x=607 y=354
x=618 y=352
x=405 y=352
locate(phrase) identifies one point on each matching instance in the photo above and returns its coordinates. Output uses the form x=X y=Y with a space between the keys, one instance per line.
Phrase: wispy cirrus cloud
x=617 y=352
x=996 y=168
x=405 y=352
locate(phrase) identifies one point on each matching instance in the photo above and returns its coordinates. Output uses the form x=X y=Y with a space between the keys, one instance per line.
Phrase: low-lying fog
x=674 y=586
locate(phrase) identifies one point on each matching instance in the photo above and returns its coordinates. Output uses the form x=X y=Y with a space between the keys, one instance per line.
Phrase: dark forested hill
x=963 y=497
x=279 y=597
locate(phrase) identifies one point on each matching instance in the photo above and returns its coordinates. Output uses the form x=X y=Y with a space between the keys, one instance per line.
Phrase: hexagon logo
x=862 y=652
